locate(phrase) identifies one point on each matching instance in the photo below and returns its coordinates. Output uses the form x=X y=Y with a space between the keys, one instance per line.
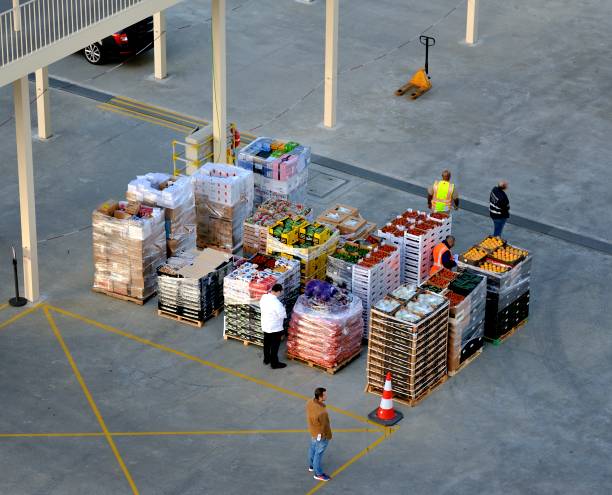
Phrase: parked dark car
x=129 y=41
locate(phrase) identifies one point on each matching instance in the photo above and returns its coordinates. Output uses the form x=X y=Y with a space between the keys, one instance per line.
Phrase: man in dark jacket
x=499 y=207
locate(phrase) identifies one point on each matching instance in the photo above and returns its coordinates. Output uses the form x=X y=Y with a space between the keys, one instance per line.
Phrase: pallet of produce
x=326 y=327
x=408 y=336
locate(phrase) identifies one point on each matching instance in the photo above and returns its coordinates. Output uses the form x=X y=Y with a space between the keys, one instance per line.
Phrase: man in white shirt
x=273 y=314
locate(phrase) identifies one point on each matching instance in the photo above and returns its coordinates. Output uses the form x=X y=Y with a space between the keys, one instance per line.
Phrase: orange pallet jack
x=420 y=82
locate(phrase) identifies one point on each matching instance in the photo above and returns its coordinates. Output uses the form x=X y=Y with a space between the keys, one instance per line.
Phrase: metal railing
x=39 y=23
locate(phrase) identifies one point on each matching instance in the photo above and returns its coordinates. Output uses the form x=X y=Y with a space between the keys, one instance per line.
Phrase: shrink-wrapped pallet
x=326 y=326
x=127 y=249
x=175 y=195
x=224 y=199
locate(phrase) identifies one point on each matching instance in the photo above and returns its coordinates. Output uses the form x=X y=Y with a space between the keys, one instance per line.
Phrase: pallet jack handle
x=427 y=41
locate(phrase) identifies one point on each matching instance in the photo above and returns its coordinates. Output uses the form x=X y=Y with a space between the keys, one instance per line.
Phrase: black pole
x=16 y=301
x=427 y=41
x=427 y=59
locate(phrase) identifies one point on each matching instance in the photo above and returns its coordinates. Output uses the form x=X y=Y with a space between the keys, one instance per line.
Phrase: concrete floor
x=530 y=416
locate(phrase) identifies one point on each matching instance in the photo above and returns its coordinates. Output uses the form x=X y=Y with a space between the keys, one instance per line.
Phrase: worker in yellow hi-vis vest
x=443 y=194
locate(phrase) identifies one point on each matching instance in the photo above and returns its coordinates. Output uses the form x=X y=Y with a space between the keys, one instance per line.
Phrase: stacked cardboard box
x=280 y=169
x=466 y=293
x=190 y=285
x=310 y=243
x=268 y=214
x=224 y=199
x=326 y=327
x=128 y=247
x=408 y=337
x=369 y=268
x=416 y=233
x=175 y=195
x=243 y=288
x=507 y=269
x=348 y=221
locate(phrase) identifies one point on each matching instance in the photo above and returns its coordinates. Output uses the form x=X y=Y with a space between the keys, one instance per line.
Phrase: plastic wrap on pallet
x=224 y=199
x=127 y=251
x=340 y=272
x=276 y=246
x=326 y=335
x=175 y=195
x=280 y=169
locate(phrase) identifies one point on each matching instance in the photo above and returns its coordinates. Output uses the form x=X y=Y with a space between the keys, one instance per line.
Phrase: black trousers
x=271 y=344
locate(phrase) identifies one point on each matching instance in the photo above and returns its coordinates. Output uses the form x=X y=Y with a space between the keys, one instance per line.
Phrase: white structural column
x=331 y=63
x=219 y=82
x=471 y=28
x=26 y=188
x=43 y=103
x=159 y=44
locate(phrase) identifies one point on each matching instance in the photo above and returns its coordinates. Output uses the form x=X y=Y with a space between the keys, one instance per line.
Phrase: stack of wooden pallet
x=408 y=337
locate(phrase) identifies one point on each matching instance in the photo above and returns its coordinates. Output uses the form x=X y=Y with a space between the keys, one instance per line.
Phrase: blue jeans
x=498 y=224
x=315 y=456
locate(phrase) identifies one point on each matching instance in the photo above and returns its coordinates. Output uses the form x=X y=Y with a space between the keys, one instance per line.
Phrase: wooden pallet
x=122 y=297
x=244 y=342
x=183 y=319
x=466 y=362
x=204 y=245
x=409 y=402
x=508 y=334
x=332 y=370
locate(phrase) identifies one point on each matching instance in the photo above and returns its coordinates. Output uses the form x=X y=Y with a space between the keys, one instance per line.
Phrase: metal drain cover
x=322 y=185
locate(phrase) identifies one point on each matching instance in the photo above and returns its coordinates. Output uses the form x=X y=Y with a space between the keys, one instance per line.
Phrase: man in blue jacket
x=499 y=207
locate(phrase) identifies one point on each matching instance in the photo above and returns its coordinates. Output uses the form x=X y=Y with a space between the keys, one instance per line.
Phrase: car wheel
x=93 y=54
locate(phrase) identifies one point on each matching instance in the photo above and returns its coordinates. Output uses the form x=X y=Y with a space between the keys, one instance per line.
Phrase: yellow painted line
x=140 y=116
x=90 y=400
x=50 y=435
x=231 y=432
x=160 y=110
x=209 y=364
x=353 y=459
x=13 y=319
x=3 y=306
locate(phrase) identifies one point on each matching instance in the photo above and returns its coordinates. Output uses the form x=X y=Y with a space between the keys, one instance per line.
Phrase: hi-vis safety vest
x=438 y=252
x=442 y=196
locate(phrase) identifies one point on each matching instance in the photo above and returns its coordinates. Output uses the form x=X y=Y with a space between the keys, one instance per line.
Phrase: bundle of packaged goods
x=369 y=268
x=310 y=243
x=466 y=293
x=416 y=233
x=326 y=327
x=224 y=199
x=348 y=221
x=508 y=270
x=190 y=285
x=243 y=288
x=129 y=244
x=268 y=214
x=280 y=169
x=408 y=337
x=175 y=195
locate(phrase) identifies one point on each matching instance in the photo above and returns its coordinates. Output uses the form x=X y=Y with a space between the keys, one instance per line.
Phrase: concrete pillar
x=159 y=44
x=471 y=29
x=16 y=16
x=43 y=101
x=219 y=82
x=331 y=63
x=21 y=95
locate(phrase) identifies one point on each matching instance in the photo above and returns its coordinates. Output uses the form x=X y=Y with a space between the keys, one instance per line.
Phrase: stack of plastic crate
x=280 y=169
x=416 y=233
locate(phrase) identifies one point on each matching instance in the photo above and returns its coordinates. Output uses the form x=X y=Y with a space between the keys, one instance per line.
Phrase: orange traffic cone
x=385 y=414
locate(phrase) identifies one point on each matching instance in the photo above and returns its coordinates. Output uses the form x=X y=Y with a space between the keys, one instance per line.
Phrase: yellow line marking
x=178 y=433
x=150 y=112
x=3 y=306
x=13 y=319
x=184 y=116
x=92 y=404
x=129 y=113
x=209 y=364
x=355 y=458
